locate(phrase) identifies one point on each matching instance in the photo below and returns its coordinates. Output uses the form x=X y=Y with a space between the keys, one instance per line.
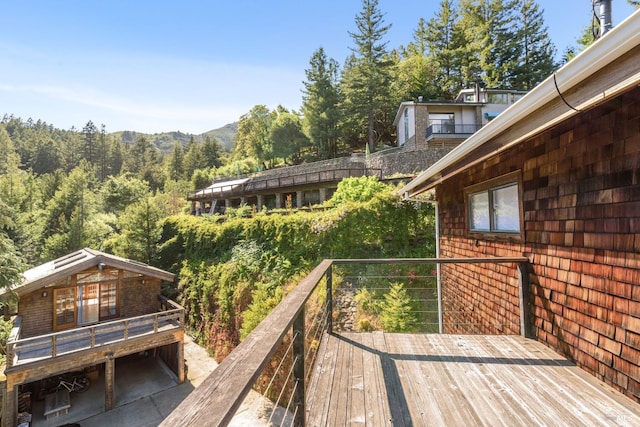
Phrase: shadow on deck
x=462 y=380
x=334 y=378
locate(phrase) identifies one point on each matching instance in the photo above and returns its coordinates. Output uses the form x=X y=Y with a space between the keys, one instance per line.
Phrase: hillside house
x=448 y=123
x=555 y=178
x=292 y=186
x=82 y=312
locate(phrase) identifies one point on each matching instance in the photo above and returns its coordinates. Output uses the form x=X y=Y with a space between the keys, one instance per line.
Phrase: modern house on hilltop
x=448 y=123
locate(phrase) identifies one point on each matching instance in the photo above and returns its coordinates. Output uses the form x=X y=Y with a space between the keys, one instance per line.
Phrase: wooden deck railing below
x=26 y=350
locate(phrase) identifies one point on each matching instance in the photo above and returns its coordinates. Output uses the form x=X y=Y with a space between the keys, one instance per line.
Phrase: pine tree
x=89 y=131
x=210 y=151
x=175 y=162
x=536 y=49
x=320 y=101
x=491 y=40
x=397 y=311
x=445 y=42
x=367 y=75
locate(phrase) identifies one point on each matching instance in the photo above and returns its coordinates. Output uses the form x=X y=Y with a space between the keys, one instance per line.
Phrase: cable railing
x=277 y=357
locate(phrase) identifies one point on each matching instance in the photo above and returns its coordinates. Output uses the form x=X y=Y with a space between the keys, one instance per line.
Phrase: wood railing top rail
x=216 y=400
x=112 y=323
x=222 y=393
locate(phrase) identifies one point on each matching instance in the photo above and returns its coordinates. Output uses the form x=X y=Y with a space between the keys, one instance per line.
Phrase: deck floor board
x=472 y=380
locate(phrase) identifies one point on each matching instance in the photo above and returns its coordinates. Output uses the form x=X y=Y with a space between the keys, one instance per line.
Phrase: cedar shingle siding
x=581 y=199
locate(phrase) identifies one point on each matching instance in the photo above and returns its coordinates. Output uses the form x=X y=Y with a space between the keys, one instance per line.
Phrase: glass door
x=88 y=304
x=65 y=308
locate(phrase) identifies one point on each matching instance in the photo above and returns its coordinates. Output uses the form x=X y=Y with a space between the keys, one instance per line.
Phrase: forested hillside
x=124 y=192
x=233 y=273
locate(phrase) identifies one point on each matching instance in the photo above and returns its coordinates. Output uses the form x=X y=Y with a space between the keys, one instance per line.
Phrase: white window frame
x=487 y=190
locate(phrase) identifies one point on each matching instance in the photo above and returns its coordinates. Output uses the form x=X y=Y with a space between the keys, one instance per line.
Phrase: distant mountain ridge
x=165 y=141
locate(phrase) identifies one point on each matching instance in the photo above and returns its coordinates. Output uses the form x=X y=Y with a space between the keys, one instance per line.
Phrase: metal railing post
x=298 y=369
x=329 y=280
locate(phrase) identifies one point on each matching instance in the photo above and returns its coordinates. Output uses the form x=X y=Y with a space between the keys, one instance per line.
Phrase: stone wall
x=404 y=160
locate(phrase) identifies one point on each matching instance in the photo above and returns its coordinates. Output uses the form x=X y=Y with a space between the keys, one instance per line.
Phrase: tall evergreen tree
x=320 y=104
x=419 y=44
x=90 y=139
x=536 y=49
x=192 y=158
x=175 y=162
x=491 y=39
x=115 y=157
x=367 y=75
x=210 y=151
x=445 y=42
x=103 y=153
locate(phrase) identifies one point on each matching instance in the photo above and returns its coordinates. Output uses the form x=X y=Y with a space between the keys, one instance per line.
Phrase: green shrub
x=360 y=189
x=397 y=310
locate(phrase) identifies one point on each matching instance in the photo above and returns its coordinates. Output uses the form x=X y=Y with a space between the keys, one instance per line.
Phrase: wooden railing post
x=329 y=280
x=524 y=291
x=298 y=369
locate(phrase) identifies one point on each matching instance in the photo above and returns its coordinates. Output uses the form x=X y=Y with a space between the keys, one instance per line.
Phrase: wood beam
x=109 y=382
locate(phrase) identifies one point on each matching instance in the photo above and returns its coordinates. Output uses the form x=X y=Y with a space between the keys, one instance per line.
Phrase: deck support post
x=524 y=291
x=323 y=194
x=181 y=361
x=10 y=404
x=298 y=369
x=109 y=379
x=329 y=314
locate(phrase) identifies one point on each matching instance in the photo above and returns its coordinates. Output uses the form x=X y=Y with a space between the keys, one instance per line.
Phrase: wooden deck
x=378 y=379
x=73 y=340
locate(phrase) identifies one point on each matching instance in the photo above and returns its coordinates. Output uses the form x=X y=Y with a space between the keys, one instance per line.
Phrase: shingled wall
x=581 y=200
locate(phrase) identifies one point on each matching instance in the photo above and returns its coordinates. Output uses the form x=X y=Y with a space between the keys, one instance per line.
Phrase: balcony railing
x=293 y=331
x=26 y=350
x=266 y=183
x=451 y=129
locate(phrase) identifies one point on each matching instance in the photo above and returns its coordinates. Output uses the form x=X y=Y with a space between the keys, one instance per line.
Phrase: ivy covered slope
x=232 y=273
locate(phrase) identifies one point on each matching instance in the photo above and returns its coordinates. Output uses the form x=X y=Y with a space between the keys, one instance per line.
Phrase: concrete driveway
x=146 y=392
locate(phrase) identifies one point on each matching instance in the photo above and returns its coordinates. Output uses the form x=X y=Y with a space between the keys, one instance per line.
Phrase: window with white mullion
x=494 y=206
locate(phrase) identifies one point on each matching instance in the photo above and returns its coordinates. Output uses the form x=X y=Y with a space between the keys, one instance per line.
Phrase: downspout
x=438 y=283
x=437 y=233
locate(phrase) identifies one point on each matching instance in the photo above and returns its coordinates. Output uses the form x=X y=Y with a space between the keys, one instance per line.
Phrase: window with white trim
x=494 y=206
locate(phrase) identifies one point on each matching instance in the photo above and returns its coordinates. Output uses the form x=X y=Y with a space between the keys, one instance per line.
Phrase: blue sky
x=188 y=65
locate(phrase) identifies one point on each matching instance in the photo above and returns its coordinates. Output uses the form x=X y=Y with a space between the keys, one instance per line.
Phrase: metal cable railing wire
x=282 y=390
